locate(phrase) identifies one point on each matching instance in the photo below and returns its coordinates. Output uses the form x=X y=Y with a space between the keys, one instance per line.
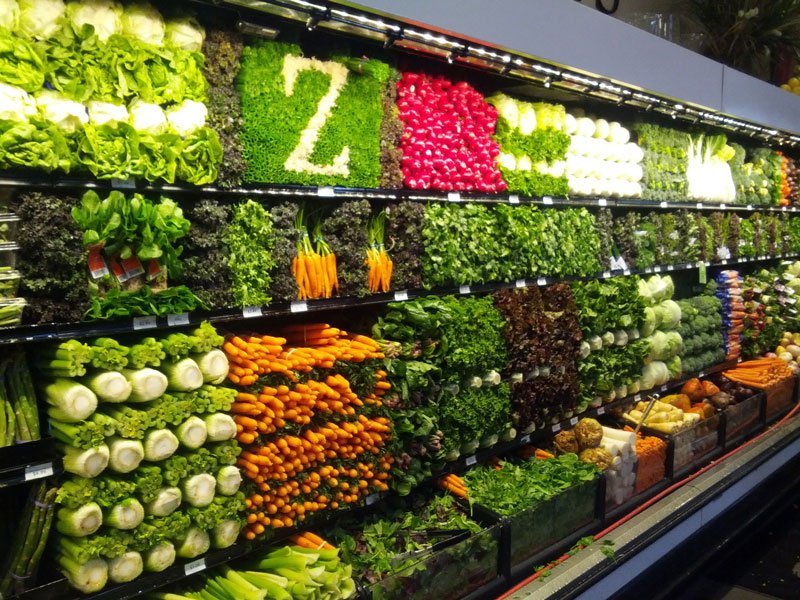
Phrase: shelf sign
x=525 y=439
x=606 y=274
x=547 y=200
x=39 y=471
x=401 y=296
x=663 y=205
x=464 y=289
x=326 y=191
x=573 y=421
x=178 y=320
x=670 y=268
x=601 y=411
x=372 y=499
x=453 y=197
x=249 y=312
x=637 y=397
x=699 y=205
x=656 y=269
x=556 y=428
x=144 y=323
x=722 y=207
x=513 y=199
x=749 y=207
x=520 y=283
x=194 y=567
x=541 y=281
x=298 y=306
x=626 y=271
x=701 y=374
x=602 y=202
x=471 y=460
x=123 y=184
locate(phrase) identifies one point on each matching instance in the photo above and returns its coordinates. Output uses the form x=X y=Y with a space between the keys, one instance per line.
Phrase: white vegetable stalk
x=199 y=489
x=125 y=568
x=474 y=382
x=166 y=502
x=125 y=455
x=9 y=14
x=81 y=521
x=160 y=444
x=194 y=544
x=125 y=515
x=183 y=376
x=492 y=378
x=159 y=557
x=70 y=401
x=225 y=533
x=86 y=463
x=220 y=427
x=229 y=478
x=89 y=577
x=192 y=432
x=109 y=386
x=146 y=384
x=213 y=365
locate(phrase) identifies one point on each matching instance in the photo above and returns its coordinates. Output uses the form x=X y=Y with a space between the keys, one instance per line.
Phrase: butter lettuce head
x=66 y=114
x=40 y=19
x=9 y=14
x=147 y=117
x=185 y=33
x=101 y=113
x=142 y=21
x=15 y=104
x=187 y=117
x=101 y=17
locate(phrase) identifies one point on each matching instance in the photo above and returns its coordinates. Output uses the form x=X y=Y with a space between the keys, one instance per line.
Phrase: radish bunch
x=447 y=141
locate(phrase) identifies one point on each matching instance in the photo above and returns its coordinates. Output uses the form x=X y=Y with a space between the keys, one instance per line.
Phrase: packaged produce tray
x=780 y=398
x=690 y=445
x=8 y=255
x=533 y=529
x=8 y=228
x=742 y=419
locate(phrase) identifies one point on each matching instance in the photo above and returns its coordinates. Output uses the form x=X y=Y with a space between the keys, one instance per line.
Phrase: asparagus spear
x=10 y=393
x=44 y=530
x=25 y=385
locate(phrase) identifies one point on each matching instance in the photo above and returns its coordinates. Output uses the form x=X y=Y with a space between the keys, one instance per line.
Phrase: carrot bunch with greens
x=454 y=484
x=762 y=373
x=314 y=267
x=380 y=265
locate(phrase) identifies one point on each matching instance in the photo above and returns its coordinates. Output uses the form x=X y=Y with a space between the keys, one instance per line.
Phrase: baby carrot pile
x=314 y=267
x=380 y=265
x=454 y=484
x=652 y=454
x=762 y=373
x=309 y=443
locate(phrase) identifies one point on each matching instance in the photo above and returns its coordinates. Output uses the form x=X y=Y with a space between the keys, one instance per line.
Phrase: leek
x=109 y=386
x=159 y=557
x=86 y=463
x=220 y=427
x=214 y=366
x=89 y=577
x=166 y=501
x=224 y=534
x=125 y=515
x=199 y=489
x=195 y=543
x=81 y=521
x=228 y=480
x=125 y=455
x=160 y=444
x=147 y=384
x=125 y=568
x=183 y=376
x=70 y=401
x=192 y=433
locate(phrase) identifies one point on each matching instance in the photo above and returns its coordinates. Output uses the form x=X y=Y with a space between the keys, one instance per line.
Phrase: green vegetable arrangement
x=665 y=160
x=342 y=144
x=111 y=91
x=403 y=239
x=345 y=230
x=394 y=556
x=701 y=331
x=205 y=256
x=148 y=451
x=249 y=238
x=19 y=414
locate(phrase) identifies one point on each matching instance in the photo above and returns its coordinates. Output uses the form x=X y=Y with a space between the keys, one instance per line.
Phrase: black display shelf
x=52 y=184
x=63 y=331
x=28 y=461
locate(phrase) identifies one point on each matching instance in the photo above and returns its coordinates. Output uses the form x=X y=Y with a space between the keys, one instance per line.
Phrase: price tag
x=248 y=312
x=783 y=209
x=699 y=205
x=471 y=460
x=656 y=269
x=749 y=207
x=701 y=374
x=794 y=209
x=464 y=289
x=97 y=265
x=547 y=200
x=326 y=191
x=513 y=199
x=637 y=397
x=602 y=202
x=401 y=296
x=298 y=306
x=144 y=323
x=648 y=270
x=541 y=281
x=670 y=267
x=663 y=205
x=606 y=274
x=664 y=388
x=520 y=283
x=724 y=261
x=178 y=320
x=556 y=427
x=453 y=197
x=194 y=567
x=601 y=411
x=573 y=421
x=722 y=207
x=123 y=184
x=626 y=271
x=39 y=471
x=372 y=499
x=525 y=439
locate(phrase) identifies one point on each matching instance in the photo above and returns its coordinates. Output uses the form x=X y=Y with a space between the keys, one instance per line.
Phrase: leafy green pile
x=205 y=256
x=403 y=240
x=665 y=161
x=391 y=134
x=274 y=121
x=345 y=231
x=609 y=304
x=701 y=331
x=757 y=180
x=117 y=303
x=51 y=259
x=285 y=238
x=249 y=238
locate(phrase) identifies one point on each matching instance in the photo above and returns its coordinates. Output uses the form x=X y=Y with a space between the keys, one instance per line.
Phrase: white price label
x=722 y=206
x=602 y=202
x=664 y=388
x=194 y=567
x=547 y=200
x=573 y=421
x=606 y=274
x=178 y=320
x=513 y=199
x=123 y=184
x=749 y=207
x=626 y=271
x=701 y=374
x=699 y=205
x=525 y=439
x=783 y=209
x=471 y=460
x=326 y=191
x=401 y=296
x=541 y=281
x=556 y=427
x=144 y=323
x=248 y=312
x=724 y=261
x=464 y=289
x=453 y=197
x=520 y=283
x=663 y=205
x=39 y=471
x=298 y=306
x=670 y=267
x=648 y=270
x=656 y=269
x=601 y=411
x=372 y=499
x=637 y=397
x=794 y=209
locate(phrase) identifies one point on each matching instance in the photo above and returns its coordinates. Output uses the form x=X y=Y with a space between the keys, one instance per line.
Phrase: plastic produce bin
x=9 y=283
x=743 y=418
x=11 y=311
x=780 y=398
x=8 y=255
x=8 y=228
x=690 y=445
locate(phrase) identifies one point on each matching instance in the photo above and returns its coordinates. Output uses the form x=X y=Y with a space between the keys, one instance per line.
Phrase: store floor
x=764 y=564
